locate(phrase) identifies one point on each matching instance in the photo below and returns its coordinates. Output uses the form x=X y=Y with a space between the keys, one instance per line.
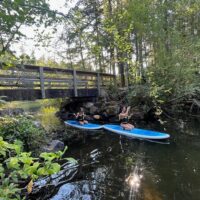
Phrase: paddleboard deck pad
x=136 y=133
x=89 y=126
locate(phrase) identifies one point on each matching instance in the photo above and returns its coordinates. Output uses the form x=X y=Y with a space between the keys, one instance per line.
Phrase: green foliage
x=33 y=106
x=138 y=93
x=156 y=43
x=7 y=59
x=167 y=57
x=17 y=165
x=112 y=91
x=14 y=14
x=51 y=103
x=23 y=129
x=48 y=119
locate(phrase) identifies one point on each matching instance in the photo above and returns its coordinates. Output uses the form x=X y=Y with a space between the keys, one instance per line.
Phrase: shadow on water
x=114 y=167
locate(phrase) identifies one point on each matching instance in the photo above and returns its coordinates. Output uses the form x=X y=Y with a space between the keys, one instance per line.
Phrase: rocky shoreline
x=94 y=108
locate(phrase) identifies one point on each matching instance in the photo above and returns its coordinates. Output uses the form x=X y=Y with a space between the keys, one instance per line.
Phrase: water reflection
x=74 y=191
x=114 y=168
x=134 y=181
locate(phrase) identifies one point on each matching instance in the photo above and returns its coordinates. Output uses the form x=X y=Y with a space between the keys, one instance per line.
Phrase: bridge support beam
x=75 y=83
x=98 y=83
x=42 y=82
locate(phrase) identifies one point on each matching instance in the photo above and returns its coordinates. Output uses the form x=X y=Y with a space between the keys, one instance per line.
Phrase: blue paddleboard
x=88 y=126
x=136 y=133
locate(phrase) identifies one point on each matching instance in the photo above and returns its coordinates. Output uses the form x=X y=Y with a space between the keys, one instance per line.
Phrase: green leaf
x=26 y=160
x=60 y=153
x=42 y=171
x=13 y=163
x=48 y=156
x=71 y=160
x=30 y=170
x=1 y=169
x=17 y=146
x=54 y=168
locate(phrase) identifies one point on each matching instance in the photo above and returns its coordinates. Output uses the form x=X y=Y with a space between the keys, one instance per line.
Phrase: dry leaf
x=30 y=187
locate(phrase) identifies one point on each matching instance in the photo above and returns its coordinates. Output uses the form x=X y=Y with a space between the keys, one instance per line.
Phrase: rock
x=103 y=93
x=29 y=116
x=93 y=110
x=137 y=115
x=111 y=103
x=100 y=105
x=88 y=105
x=113 y=109
x=11 y=111
x=55 y=145
x=37 y=124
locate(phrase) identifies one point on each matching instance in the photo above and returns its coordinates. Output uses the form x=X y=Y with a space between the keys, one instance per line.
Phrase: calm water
x=114 y=167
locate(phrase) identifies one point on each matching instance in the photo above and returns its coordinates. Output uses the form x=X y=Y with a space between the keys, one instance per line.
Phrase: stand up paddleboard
x=136 y=133
x=88 y=126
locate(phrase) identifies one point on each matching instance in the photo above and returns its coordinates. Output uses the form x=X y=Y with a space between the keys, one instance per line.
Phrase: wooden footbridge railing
x=30 y=82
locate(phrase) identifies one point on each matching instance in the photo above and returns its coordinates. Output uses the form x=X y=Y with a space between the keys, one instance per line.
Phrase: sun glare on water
x=134 y=182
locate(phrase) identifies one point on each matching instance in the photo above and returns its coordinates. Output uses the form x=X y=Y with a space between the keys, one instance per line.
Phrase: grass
x=32 y=106
x=43 y=110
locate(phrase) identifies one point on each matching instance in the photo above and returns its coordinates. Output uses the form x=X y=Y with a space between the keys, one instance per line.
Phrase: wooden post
x=98 y=84
x=42 y=83
x=75 y=83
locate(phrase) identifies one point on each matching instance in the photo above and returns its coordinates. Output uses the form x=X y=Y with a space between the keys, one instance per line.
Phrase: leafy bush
x=115 y=93
x=23 y=129
x=139 y=95
x=48 y=119
x=51 y=102
x=18 y=167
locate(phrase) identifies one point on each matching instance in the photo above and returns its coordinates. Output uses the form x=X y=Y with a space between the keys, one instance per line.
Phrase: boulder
x=55 y=145
x=112 y=109
x=100 y=105
x=93 y=110
x=37 y=124
x=88 y=105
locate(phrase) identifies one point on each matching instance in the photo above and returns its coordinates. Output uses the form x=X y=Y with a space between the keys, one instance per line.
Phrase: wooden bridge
x=29 y=82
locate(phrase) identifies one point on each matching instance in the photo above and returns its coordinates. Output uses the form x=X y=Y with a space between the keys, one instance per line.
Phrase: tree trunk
x=121 y=68
x=112 y=55
x=81 y=52
x=140 y=51
x=96 y=27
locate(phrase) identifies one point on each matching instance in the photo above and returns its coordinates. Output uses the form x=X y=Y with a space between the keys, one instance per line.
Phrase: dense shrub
x=48 y=119
x=24 y=129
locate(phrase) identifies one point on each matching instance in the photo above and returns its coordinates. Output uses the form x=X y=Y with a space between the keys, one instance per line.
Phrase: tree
x=15 y=14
